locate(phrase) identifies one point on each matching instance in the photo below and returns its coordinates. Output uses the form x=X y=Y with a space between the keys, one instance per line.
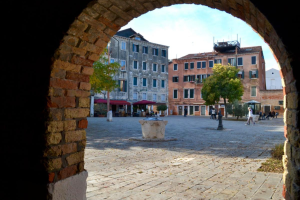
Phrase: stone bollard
x=109 y=116
x=220 y=127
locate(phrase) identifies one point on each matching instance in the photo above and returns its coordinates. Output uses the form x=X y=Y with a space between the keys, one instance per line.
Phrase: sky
x=189 y=28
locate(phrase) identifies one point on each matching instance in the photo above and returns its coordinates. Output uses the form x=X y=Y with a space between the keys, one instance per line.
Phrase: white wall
x=273 y=79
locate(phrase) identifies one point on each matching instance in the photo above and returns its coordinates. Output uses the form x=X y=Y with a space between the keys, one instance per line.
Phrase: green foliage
x=277 y=152
x=162 y=107
x=236 y=109
x=102 y=79
x=223 y=84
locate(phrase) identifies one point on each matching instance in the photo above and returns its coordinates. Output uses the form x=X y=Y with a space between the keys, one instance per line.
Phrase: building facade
x=186 y=76
x=273 y=80
x=144 y=68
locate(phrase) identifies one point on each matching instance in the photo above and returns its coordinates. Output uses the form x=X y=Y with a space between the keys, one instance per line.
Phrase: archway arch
x=58 y=92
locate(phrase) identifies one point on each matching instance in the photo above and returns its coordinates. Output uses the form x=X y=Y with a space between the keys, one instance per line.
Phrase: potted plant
x=162 y=108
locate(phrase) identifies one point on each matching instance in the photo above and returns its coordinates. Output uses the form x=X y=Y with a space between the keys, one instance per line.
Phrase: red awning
x=112 y=102
x=144 y=102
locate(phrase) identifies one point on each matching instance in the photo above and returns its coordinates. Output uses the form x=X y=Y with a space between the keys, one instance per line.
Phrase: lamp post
x=109 y=113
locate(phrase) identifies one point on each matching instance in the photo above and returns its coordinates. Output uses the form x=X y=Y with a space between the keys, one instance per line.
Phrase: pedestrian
x=185 y=111
x=260 y=115
x=250 y=117
x=273 y=114
x=269 y=115
x=213 y=113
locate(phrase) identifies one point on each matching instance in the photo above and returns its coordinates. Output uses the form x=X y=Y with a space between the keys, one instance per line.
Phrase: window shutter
x=137 y=48
x=119 y=83
x=228 y=61
x=250 y=74
x=156 y=51
x=243 y=74
x=125 y=86
x=132 y=47
x=257 y=73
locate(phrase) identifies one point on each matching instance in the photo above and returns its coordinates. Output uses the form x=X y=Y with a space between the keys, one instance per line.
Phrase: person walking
x=213 y=113
x=185 y=111
x=250 y=117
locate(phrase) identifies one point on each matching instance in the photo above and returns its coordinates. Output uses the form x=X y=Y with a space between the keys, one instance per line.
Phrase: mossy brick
x=66 y=66
x=69 y=148
x=75 y=158
x=76 y=113
x=53 y=151
x=82 y=61
x=67 y=172
x=53 y=138
x=53 y=164
x=55 y=114
x=62 y=83
x=75 y=136
x=87 y=70
x=84 y=102
x=84 y=86
x=82 y=93
x=55 y=126
x=69 y=125
x=78 y=77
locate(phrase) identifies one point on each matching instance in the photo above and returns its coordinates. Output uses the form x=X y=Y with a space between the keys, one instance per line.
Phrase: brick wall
x=272 y=98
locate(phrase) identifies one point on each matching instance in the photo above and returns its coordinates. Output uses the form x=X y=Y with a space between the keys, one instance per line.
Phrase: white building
x=273 y=79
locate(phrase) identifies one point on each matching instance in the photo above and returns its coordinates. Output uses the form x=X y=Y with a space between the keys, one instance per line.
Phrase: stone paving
x=203 y=163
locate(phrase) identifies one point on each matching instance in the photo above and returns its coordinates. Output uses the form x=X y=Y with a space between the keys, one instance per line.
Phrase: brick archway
x=62 y=102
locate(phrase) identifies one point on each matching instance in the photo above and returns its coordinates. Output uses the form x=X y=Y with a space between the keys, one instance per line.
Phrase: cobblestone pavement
x=203 y=163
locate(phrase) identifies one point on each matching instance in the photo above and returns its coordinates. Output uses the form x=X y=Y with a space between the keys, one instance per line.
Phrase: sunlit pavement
x=203 y=163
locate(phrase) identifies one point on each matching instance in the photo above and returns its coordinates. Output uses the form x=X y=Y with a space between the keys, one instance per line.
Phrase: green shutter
x=125 y=86
x=243 y=74
x=228 y=61
x=257 y=73
x=250 y=74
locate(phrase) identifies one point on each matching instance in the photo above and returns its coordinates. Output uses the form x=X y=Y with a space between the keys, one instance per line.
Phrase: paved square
x=203 y=163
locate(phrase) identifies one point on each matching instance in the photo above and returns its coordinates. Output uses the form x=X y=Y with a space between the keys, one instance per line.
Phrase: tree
x=102 y=78
x=162 y=107
x=236 y=109
x=223 y=84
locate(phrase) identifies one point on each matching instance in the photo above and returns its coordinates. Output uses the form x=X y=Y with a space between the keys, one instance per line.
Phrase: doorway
x=203 y=110
x=267 y=109
x=191 y=110
x=179 y=110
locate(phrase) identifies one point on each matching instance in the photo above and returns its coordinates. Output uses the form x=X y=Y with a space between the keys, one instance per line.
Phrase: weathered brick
x=82 y=93
x=75 y=158
x=55 y=126
x=56 y=92
x=121 y=13
x=55 y=114
x=61 y=83
x=66 y=66
x=101 y=43
x=81 y=167
x=53 y=151
x=69 y=125
x=83 y=123
x=78 y=77
x=69 y=148
x=109 y=31
x=91 y=38
x=84 y=102
x=70 y=93
x=94 y=57
x=109 y=24
x=53 y=138
x=89 y=20
x=58 y=73
x=67 y=172
x=105 y=3
x=82 y=61
x=81 y=145
x=54 y=164
x=292 y=100
x=87 y=70
x=77 y=27
x=74 y=136
x=61 y=102
x=85 y=86
x=121 y=22
x=76 y=113
x=51 y=177
x=91 y=12
x=71 y=40
x=79 y=51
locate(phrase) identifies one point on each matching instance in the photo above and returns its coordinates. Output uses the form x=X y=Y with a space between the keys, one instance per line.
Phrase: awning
x=252 y=101
x=144 y=102
x=112 y=102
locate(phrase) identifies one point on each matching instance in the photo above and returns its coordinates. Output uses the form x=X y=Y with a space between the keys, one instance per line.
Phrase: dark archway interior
x=31 y=32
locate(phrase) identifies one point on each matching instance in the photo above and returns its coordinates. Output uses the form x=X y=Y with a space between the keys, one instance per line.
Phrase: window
x=144 y=96
x=123 y=46
x=135 y=81
x=112 y=60
x=163 y=68
x=201 y=94
x=280 y=102
x=175 y=79
x=192 y=78
x=198 y=65
x=203 y=65
x=154 y=82
x=241 y=74
x=175 y=67
x=231 y=61
x=163 y=83
x=123 y=65
x=253 y=60
x=253 y=74
x=186 y=66
x=144 y=82
x=137 y=38
x=155 y=52
x=163 y=97
x=188 y=93
x=196 y=108
x=145 y=50
x=154 y=97
x=144 y=66
x=175 y=94
x=135 y=64
x=211 y=64
x=200 y=78
x=135 y=48
x=185 y=78
x=253 y=91
x=135 y=96
x=122 y=85
x=218 y=61
x=164 y=53
x=276 y=107
x=192 y=65
x=240 y=61
x=208 y=75
x=154 y=67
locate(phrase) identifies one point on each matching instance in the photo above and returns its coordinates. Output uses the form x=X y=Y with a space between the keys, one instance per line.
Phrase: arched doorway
x=49 y=137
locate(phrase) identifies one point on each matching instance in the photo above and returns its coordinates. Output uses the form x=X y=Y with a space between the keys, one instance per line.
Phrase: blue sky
x=189 y=28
